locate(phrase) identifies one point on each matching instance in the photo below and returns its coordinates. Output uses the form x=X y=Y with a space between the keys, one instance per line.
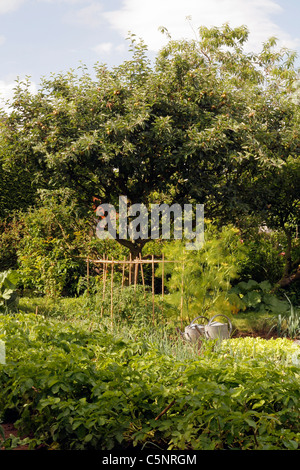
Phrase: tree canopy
x=206 y=122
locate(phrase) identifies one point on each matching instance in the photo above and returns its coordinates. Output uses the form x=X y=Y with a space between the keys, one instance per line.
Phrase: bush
x=11 y=232
x=9 y=297
x=52 y=251
x=264 y=251
x=257 y=297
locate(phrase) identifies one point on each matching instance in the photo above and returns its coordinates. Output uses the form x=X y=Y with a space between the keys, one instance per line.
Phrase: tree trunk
x=135 y=249
x=291 y=270
x=287 y=280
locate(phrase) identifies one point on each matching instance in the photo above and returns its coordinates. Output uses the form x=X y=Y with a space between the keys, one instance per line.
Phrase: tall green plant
x=203 y=278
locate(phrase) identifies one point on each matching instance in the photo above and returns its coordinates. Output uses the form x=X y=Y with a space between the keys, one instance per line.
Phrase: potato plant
x=70 y=386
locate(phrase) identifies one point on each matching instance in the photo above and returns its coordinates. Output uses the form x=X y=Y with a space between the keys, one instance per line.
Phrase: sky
x=40 y=37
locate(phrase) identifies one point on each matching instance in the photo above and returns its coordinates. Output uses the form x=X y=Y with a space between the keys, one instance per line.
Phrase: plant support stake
x=111 y=291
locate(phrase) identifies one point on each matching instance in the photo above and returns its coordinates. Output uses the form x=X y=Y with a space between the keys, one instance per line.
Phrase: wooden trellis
x=137 y=263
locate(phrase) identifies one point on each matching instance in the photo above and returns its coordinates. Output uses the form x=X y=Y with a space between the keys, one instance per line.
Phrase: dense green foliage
x=75 y=387
x=9 y=297
x=54 y=242
x=206 y=123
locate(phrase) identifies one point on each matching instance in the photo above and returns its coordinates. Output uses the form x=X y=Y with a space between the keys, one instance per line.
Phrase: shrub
x=11 y=232
x=257 y=297
x=51 y=252
x=9 y=297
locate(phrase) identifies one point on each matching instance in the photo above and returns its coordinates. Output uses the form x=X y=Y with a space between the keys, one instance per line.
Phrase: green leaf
x=251 y=423
x=291 y=444
x=259 y=404
x=252 y=299
x=265 y=286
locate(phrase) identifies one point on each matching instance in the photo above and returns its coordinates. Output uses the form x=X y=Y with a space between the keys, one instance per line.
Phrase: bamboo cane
x=111 y=292
x=181 y=300
x=130 y=259
x=87 y=275
x=144 y=261
x=162 y=284
x=104 y=284
x=163 y=277
x=123 y=274
x=142 y=273
x=153 y=289
x=136 y=267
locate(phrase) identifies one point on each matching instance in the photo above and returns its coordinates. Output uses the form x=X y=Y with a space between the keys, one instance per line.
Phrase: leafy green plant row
x=70 y=386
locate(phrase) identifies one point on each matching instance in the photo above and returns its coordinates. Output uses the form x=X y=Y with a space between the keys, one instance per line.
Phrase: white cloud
x=103 y=48
x=9 y=5
x=106 y=48
x=143 y=18
x=91 y=15
x=2 y=40
x=64 y=1
x=7 y=92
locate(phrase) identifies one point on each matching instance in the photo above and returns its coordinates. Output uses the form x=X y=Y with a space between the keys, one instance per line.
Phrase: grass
x=84 y=307
x=253 y=323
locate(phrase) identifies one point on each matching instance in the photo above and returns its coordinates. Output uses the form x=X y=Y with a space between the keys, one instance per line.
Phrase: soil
x=9 y=430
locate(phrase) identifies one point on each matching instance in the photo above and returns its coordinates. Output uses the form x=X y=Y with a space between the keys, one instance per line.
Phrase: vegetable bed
x=69 y=386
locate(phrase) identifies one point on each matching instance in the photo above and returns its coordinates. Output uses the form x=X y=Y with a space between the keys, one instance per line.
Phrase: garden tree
x=17 y=192
x=17 y=189
x=192 y=127
x=277 y=200
x=269 y=192
x=272 y=196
